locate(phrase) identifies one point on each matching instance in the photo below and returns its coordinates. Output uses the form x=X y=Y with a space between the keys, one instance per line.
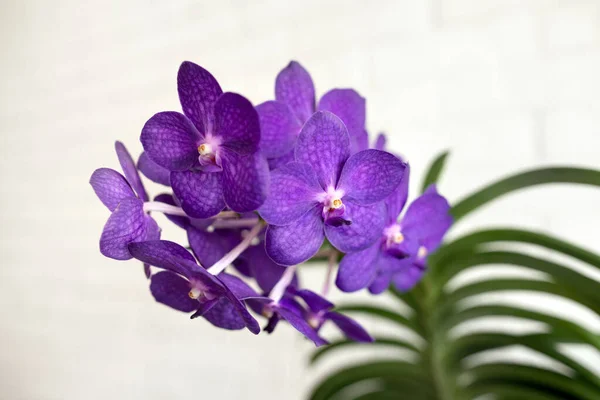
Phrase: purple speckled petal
x=380 y=142
x=387 y=265
x=278 y=162
x=240 y=289
x=246 y=181
x=295 y=87
x=172 y=290
x=237 y=124
x=111 y=187
x=352 y=329
x=178 y=220
x=210 y=247
x=200 y=193
x=262 y=268
x=324 y=144
x=428 y=219
x=357 y=270
x=130 y=171
x=153 y=171
x=164 y=254
x=301 y=326
x=407 y=278
x=279 y=128
x=315 y=302
x=224 y=315
x=366 y=227
x=126 y=224
x=370 y=176
x=350 y=107
x=294 y=190
x=248 y=319
x=153 y=231
x=297 y=242
x=396 y=201
x=171 y=140
x=198 y=92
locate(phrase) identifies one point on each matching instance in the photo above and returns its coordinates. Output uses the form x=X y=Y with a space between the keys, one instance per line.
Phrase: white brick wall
x=505 y=85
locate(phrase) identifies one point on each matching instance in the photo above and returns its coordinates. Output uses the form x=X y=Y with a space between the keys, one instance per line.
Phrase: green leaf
x=564 y=328
x=533 y=377
x=388 y=374
x=381 y=313
x=449 y=300
x=435 y=171
x=523 y=180
x=585 y=287
x=514 y=391
x=382 y=341
x=473 y=240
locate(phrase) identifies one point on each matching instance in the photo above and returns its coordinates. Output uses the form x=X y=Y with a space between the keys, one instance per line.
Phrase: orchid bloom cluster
x=259 y=191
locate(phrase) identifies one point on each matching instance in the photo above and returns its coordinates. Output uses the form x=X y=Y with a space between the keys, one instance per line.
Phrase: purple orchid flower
x=327 y=192
x=188 y=287
x=124 y=196
x=282 y=118
x=211 y=149
x=400 y=255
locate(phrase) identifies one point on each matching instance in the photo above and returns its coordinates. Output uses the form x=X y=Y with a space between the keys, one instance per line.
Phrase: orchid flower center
x=314 y=320
x=200 y=292
x=205 y=149
x=334 y=210
x=398 y=237
x=195 y=293
x=422 y=252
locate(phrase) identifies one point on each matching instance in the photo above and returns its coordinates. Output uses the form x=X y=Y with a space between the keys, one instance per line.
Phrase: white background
x=504 y=84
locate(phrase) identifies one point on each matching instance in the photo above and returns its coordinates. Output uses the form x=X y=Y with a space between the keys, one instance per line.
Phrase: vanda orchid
x=260 y=191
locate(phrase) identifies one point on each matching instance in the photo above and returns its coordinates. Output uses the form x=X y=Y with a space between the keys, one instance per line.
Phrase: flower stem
x=234 y=223
x=230 y=257
x=283 y=283
x=331 y=261
x=158 y=206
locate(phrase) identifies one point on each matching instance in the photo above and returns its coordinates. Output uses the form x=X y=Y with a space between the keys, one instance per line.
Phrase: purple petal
x=301 y=326
x=427 y=219
x=200 y=193
x=248 y=319
x=296 y=242
x=210 y=247
x=178 y=220
x=245 y=181
x=294 y=190
x=224 y=315
x=350 y=107
x=407 y=278
x=198 y=92
x=171 y=141
x=147 y=271
x=370 y=176
x=262 y=268
x=153 y=231
x=153 y=171
x=324 y=144
x=111 y=187
x=279 y=128
x=315 y=302
x=164 y=254
x=237 y=123
x=352 y=329
x=366 y=227
x=127 y=224
x=130 y=171
x=380 y=142
x=295 y=88
x=357 y=270
x=278 y=162
x=172 y=290
x=240 y=289
x=380 y=284
x=397 y=200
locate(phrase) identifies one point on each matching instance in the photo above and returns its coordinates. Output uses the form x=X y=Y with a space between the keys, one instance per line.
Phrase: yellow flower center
x=422 y=253
x=204 y=149
x=336 y=203
x=398 y=237
x=194 y=293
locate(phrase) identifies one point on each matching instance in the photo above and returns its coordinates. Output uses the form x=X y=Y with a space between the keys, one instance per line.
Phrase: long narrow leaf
x=435 y=171
x=380 y=341
x=523 y=180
